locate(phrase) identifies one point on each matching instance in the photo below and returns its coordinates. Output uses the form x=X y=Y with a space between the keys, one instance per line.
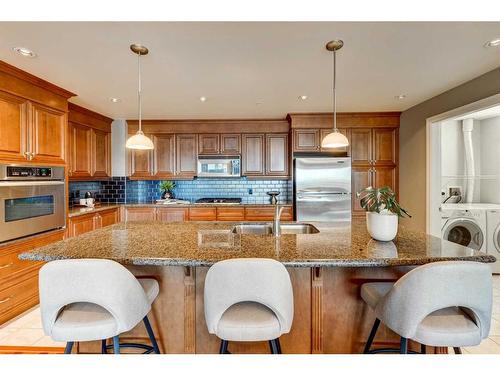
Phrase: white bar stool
x=248 y=300
x=94 y=299
x=444 y=304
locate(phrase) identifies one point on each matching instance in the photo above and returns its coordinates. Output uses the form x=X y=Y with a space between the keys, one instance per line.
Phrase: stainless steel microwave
x=218 y=166
x=32 y=200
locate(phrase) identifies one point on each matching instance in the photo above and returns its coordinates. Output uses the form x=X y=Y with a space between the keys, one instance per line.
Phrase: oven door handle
x=30 y=183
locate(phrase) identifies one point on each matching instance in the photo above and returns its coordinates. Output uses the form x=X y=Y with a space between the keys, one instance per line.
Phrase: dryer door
x=496 y=238
x=464 y=232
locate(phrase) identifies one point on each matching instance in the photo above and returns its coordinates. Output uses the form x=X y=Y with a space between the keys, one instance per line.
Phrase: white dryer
x=493 y=237
x=466 y=227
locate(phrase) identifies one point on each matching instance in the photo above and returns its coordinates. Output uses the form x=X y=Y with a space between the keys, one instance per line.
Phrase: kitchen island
x=327 y=269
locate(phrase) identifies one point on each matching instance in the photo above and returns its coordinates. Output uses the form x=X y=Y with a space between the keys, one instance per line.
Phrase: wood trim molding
x=189 y=310
x=344 y=119
x=28 y=77
x=317 y=346
x=31 y=350
x=84 y=116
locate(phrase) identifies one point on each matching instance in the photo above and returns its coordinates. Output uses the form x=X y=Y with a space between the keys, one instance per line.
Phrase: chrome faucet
x=276 y=222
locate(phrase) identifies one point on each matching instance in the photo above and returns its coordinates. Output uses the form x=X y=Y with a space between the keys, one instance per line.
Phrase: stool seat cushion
x=248 y=321
x=372 y=293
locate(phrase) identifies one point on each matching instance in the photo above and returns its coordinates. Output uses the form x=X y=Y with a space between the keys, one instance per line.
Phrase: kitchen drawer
x=231 y=213
x=266 y=213
x=10 y=264
x=18 y=297
x=203 y=214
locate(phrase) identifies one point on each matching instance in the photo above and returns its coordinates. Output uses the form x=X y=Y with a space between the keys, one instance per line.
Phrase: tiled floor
x=26 y=330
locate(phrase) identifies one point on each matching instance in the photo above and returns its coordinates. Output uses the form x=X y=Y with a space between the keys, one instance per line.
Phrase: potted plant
x=166 y=188
x=382 y=212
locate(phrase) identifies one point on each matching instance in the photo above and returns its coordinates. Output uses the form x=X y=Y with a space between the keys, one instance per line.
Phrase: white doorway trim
x=433 y=161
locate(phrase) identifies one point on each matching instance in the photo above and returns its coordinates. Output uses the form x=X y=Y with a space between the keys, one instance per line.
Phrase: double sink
x=267 y=229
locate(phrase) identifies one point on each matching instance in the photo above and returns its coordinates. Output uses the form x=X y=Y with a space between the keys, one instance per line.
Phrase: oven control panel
x=29 y=172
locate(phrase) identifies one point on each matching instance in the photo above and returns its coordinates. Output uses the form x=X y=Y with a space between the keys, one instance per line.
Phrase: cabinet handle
x=5 y=299
x=26 y=155
x=6 y=265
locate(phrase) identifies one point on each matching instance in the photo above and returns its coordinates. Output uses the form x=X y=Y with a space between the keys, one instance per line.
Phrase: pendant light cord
x=335 y=91
x=139 y=90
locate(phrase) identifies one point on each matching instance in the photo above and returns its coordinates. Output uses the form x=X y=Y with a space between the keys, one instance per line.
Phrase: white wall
x=490 y=160
x=118 y=151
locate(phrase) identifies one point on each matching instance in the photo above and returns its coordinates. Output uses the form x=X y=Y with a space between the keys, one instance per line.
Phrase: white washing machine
x=493 y=237
x=464 y=225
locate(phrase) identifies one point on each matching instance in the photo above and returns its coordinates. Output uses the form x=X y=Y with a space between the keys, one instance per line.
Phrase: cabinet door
x=140 y=214
x=80 y=158
x=230 y=144
x=277 y=155
x=164 y=155
x=208 y=144
x=306 y=140
x=385 y=176
x=266 y=213
x=47 y=134
x=230 y=213
x=384 y=146
x=186 y=155
x=253 y=154
x=345 y=131
x=81 y=224
x=172 y=214
x=101 y=153
x=203 y=214
x=361 y=146
x=13 y=127
x=106 y=218
x=140 y=162
x=361 y=178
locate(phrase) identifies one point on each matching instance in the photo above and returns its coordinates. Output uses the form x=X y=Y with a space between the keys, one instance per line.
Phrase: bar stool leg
x=457 y=350
x=104 y=350
x=223 y=347
x=373 y=332
x=69 y=347
x=278 y=344
x=151 y=335
x=116 y=344
x=274 y=347
x=423 y=349
x=404 y=346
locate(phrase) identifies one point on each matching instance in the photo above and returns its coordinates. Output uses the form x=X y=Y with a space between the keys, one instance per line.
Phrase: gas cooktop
x=218 y=201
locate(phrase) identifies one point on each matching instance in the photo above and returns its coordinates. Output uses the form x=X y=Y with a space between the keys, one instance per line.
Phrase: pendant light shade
x=139 y=141
x=335 y=139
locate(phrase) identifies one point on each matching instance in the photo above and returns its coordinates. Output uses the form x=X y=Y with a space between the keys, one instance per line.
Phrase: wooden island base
x=329 y=316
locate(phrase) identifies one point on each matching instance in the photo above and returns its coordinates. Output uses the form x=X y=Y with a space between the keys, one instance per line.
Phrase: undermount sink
x=265 y=229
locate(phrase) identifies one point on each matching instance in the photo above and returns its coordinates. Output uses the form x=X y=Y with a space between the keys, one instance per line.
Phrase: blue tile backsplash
x=123 y=190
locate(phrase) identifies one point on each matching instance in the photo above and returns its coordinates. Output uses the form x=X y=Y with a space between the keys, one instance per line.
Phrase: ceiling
x=251 y=70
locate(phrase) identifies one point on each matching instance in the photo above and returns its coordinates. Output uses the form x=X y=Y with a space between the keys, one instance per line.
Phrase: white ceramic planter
x=383 y=226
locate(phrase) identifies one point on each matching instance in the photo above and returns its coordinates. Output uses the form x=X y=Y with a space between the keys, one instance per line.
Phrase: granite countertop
x=78 y=211
x=204 y=243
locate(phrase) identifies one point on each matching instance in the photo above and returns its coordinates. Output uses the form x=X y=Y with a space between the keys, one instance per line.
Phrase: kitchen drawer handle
x=6 y=265
x=5 y=299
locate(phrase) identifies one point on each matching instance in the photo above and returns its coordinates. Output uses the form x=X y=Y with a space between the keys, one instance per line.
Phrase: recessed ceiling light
x=400 y=97
x=493 y=43
x=24 y=51
x=115 y=100
x=303 y=97
x=203 y=98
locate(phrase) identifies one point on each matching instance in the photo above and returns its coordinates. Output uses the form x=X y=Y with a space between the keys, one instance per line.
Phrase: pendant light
x=139 y=141
x=334 y=139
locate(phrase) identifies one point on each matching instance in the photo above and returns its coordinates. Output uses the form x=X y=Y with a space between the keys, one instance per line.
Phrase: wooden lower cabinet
x=230 y=213
x=202 y=213
x=88 y=222
x=266 y=213
x=19 y=278
x=172 y=214
x=140 y=213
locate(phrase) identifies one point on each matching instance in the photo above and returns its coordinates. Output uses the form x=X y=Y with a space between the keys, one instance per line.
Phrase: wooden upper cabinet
x=306 y=140
x=13 y=127
x=47 y=133
x=208 y=144
x=385 y=176
x=101 y=153
x=141 y=162
x=252 y=155
x=164 y=155
x=361 y=146
x=277 y=155
x=385 y=146
x=230 y=144
x=186 y=155
x=80 y=139
x=346 y=132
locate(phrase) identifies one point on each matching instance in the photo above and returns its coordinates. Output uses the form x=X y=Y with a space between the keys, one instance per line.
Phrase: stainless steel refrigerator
x=322 y=188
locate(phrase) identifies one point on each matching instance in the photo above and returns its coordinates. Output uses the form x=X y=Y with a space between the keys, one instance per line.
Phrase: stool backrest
x=264 y=281
x=436 y=286
x=102 y=282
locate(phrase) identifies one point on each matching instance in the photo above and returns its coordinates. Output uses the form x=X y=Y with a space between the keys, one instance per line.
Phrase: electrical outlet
x=250 y=191
x=454 y=191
